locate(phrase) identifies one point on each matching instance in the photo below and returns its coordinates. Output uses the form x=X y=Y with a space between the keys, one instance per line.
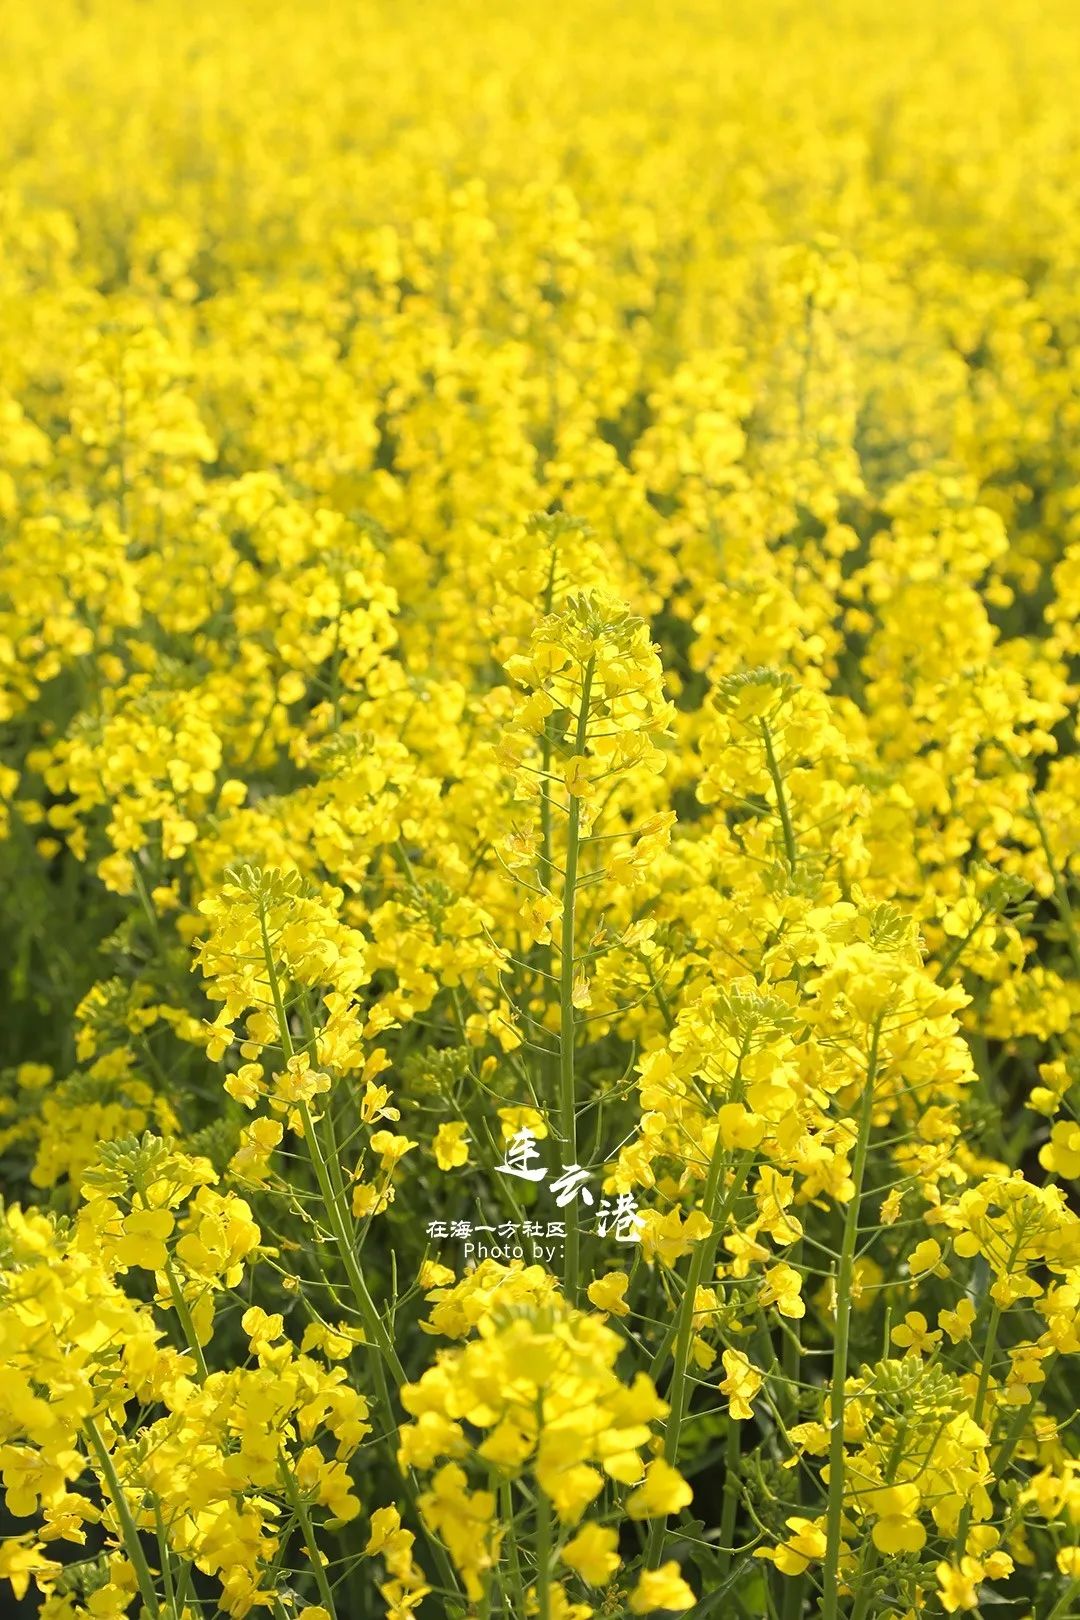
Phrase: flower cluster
x=539 y=584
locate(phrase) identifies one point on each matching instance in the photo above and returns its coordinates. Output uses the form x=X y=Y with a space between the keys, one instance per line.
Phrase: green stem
x=781 y=796
x=1013 y=1435
x=732 y=1456
x=408 y=1481
x=144 y=899
x=517 y=1585
x=742 y=1170
x=183 y=1587
x=844 y=1279
x=132 y=1543
x=373 y=1322
x=866 y=1590
x=960 y=946
x=1061 y=893
x=543 y=1555
x=1062 y=1607
x=992 y=1327
x=679 y=1390
x=303 y=1518
x=544 y=863
x=567 y=1098
x=275 y=989
x=659 y=1361
x=166 y=1564
x=186 y=1321
x=662 y=1001
x=335 y=1201
x=791 y=1362
x=989 y=1347
x=701 y=1263
x=791 y=1351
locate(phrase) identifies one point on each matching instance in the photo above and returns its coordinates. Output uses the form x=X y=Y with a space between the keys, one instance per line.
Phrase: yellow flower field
x=540 y=810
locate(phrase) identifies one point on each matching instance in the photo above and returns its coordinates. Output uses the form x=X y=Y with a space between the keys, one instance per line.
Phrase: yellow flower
x=741 y=1384
x=608 y=1293
x=915 y=1335
x=801 y=1549
x=925 y=1256
x=782 y=1287
x=958 y=1586
x=451 y=1148
x=434 y=1275
x=662 y=1588
x=670 y=1236
x=387 y=1537
x=958 y=1323
x=576 y=775
x=1061 y=1154
x=896 y=1528
x=664 y=1491
x=22 y=1557
x=758 y=779
x=464 y=1519
x=739 y=1127
x=143 y=1243
x=513 y=1120
x=262 y=1329
x=592 y=1553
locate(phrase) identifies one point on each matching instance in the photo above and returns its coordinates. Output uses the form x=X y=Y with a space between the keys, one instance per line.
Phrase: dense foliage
x=540 y=810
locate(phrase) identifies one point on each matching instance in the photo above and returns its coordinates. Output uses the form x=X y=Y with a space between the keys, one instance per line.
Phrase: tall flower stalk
x=593 y=696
